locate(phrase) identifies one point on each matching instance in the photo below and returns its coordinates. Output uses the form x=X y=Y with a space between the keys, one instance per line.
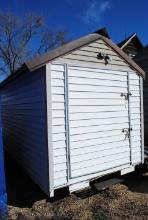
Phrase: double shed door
x=99 y=120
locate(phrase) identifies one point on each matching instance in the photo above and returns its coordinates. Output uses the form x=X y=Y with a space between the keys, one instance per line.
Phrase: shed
x=75 y=114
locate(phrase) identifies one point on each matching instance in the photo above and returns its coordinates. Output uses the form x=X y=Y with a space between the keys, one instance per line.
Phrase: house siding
x=142 y=60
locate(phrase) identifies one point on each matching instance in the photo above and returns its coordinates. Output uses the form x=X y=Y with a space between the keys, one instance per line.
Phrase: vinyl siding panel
x=58 y=125
x=136 y=142
x=97 y=115
x=97 y=141
x=145 y=99
x=25 y=124
x=87 y=55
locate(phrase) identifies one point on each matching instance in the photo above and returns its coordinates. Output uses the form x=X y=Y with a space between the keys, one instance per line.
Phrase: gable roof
x=142 y=59
x=41 y=60
x=103 y=32
x=132 y=37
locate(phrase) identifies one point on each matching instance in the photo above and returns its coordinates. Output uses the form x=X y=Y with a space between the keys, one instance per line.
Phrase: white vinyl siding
x=58 y=125
x=97 y=141
x=97 y=115
x=145 y=100
x=24 y=124
x=134 y=81
x=87 y=55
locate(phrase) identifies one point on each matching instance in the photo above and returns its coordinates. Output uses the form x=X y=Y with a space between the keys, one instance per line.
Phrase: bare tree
x=51 y=40
x=18 y=35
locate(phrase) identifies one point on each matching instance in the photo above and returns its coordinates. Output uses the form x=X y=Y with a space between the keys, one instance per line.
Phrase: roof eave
x=128 y=60
x=67 y=48
x=21 y=70
x=129 y=40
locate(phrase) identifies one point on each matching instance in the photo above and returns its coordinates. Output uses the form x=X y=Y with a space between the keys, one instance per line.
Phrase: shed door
x=98 y=120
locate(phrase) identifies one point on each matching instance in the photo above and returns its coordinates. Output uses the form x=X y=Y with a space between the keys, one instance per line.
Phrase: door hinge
x=126 y=95
x=127 y=131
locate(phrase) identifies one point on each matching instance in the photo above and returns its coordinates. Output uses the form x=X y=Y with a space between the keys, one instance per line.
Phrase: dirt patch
x=122 y=201
x=118 y=202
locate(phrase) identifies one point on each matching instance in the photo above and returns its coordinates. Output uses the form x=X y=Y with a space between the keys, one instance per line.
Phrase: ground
x=128 y=200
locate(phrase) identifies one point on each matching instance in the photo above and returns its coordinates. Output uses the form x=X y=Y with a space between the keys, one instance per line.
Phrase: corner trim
x=66 y=85
x=49 y=129
x=129 y=116
x=142 y=119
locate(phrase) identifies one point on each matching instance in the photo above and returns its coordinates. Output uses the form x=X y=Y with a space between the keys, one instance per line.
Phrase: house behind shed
x=142 y=60
x=131 y=45
x=75 y=114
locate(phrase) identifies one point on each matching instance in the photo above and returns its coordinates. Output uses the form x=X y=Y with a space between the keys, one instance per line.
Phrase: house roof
x=142 y=59
x=41 y=60
x=133 y=38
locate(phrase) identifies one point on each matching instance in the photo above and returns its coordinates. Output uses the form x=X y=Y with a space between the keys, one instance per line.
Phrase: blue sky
x=79 y=17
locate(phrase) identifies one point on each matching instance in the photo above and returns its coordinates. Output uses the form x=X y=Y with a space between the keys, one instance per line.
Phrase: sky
x=80 y=17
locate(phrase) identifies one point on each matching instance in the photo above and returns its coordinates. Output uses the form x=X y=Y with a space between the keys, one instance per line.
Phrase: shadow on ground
x=23 y=192
x=138 y=181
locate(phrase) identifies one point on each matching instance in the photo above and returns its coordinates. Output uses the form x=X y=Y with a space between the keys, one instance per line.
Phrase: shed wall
x=136 y=120
x=58 y=125
x=3 y=195
x=24 y=122
x=145 y=100
x=112 y=83
x=87 y=57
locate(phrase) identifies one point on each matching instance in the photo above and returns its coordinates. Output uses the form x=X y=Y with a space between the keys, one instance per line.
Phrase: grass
x=101 y=216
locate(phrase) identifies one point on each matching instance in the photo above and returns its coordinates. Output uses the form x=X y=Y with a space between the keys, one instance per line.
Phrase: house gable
x=131 y=45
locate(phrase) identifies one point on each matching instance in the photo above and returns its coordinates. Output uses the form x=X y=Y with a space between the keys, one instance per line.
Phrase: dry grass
x=122 y=201
x=129 y=201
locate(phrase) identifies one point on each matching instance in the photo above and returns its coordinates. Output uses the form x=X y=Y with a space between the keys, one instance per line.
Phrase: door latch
x=126 y=95
x=127 y=131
